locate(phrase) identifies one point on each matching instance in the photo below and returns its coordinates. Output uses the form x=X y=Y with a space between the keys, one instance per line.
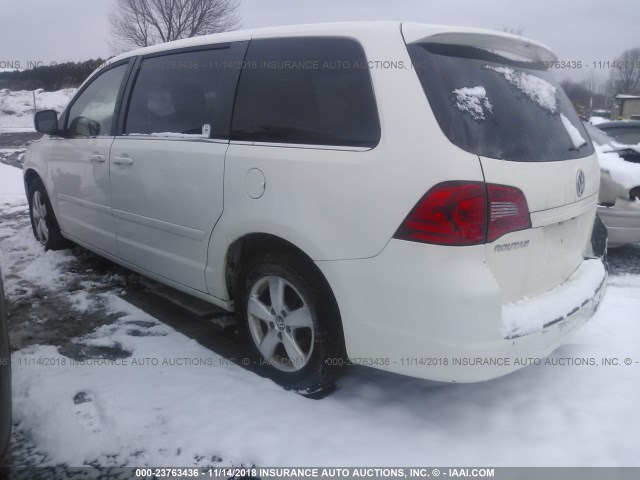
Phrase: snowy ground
x=17 y=107
x=107 y=374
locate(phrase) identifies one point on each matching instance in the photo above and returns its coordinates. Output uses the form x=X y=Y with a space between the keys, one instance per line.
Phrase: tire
x=43 y=220
x=290 y=320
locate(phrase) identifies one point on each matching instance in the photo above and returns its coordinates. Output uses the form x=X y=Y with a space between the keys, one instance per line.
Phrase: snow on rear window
x=574 y=134
x=539 y=91
x=473 y=100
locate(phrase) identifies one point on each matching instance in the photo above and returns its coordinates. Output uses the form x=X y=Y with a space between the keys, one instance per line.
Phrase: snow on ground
x=11 y=186
x=17 y=108
x=165 y=400
x=598 y=120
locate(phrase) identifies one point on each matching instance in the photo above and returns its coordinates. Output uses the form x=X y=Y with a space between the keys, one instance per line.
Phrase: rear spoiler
x=487 y=39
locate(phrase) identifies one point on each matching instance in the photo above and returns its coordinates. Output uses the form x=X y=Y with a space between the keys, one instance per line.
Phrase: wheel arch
x=246 y=247
x=241 y=260
x=30 y=175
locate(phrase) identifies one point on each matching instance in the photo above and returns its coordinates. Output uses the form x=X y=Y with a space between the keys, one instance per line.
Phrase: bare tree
x=625 y=73
x=140 y=23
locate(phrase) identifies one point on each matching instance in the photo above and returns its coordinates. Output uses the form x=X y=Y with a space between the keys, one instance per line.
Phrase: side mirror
x=46 y=121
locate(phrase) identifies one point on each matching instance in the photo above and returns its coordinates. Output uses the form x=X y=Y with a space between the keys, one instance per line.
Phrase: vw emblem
x=580 y=182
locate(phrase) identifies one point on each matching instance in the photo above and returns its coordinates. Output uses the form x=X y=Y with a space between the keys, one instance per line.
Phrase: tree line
x=50 y=77
x=140 y=23
x=134 y=23
x=623 y=78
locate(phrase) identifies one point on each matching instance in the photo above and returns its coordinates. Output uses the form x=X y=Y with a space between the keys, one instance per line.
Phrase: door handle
x=97 y=157
x=123 y=160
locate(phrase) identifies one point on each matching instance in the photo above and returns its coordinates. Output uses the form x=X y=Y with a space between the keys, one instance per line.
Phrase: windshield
x=497 y=107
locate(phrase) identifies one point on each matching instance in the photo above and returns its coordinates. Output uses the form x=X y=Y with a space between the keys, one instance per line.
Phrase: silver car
x=618 y=200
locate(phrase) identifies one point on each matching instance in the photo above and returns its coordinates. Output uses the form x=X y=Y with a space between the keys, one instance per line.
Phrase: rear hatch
x=493 y=96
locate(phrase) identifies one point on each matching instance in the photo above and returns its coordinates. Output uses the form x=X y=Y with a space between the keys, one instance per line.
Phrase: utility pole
x=591 y=93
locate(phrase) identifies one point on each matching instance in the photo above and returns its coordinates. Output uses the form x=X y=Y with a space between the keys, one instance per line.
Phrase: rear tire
x=43 y=220
x=290 y=320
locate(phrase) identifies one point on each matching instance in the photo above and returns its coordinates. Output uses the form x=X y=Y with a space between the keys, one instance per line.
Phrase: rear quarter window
x=307 y=90
x=497 y=107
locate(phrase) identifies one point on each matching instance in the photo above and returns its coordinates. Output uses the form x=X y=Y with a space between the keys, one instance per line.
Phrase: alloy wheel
x=280 y=323
x=39 y=212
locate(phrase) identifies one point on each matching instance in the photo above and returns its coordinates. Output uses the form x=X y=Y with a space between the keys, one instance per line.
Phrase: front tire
x=43 y=220
x=291 y=323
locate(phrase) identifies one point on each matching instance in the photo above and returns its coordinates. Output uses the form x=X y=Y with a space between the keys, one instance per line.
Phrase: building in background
x=626 y=106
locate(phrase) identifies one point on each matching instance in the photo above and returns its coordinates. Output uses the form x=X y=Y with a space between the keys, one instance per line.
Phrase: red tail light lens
x=451 y=213
x=465 y=213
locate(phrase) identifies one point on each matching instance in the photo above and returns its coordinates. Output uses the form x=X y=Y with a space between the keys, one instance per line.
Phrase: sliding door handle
x=126 y=160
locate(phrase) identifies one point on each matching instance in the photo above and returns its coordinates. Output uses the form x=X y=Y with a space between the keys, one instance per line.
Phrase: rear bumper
x=622 y=221
x=417 y=310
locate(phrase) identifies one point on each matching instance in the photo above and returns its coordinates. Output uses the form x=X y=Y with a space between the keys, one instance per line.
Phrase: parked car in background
x=599 y=116
x=618 y=200
x=344 y=206
x=5 y=380
x=626 y=132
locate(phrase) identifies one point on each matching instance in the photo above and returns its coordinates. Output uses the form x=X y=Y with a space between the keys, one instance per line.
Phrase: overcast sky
x=587 y=30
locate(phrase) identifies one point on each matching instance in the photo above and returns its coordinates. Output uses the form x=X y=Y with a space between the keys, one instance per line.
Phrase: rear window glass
x=499 y=107
x=626 y=135
x=309 y=90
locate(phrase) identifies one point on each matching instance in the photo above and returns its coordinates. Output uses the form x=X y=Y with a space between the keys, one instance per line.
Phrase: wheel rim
x=280 y=323
x=39 y=212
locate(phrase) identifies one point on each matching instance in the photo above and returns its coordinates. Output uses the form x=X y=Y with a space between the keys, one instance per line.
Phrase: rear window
x=625 y=135
x=499 y=107
x=310 y=90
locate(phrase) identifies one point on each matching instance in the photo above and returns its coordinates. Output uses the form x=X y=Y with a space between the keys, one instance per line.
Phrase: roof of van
x=413 y=32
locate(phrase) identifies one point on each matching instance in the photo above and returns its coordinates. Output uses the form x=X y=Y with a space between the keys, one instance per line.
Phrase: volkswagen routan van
x=414 y=198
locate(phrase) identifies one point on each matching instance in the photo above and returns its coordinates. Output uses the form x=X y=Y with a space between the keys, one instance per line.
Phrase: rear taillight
x=508 y=211
x=451 y=213
x=465 y=213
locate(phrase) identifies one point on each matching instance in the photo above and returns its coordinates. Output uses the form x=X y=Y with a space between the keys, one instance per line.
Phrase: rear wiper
x=577 y=149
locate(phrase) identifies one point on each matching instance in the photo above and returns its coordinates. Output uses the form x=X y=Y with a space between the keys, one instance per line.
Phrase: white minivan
x=414 y=198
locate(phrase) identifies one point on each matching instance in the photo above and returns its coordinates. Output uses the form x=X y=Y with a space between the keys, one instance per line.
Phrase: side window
x=310 y=90
x=188 y=93
x=92 y=112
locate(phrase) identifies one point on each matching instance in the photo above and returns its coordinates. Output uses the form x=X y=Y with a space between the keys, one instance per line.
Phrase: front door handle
x=97 y=157
x=123 y=160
